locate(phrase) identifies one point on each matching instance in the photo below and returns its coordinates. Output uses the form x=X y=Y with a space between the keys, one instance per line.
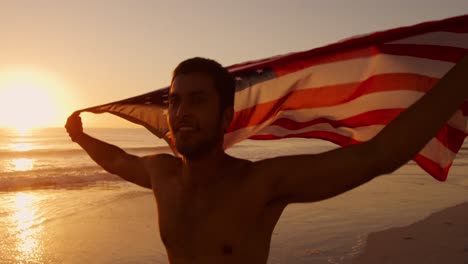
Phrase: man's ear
x=227 y=117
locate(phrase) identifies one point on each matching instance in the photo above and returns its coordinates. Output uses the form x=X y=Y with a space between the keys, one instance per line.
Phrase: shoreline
x=442 y=237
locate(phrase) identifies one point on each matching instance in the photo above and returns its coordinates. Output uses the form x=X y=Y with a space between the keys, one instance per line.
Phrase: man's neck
x=204 y=167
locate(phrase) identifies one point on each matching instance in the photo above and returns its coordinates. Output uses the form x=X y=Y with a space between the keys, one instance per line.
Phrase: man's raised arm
x=110 y=157
x=307 y=178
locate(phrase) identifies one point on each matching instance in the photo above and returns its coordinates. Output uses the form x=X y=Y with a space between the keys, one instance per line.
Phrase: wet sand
x=440 y=238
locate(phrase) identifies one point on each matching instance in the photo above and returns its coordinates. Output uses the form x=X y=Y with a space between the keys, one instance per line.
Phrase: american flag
x=345 y=92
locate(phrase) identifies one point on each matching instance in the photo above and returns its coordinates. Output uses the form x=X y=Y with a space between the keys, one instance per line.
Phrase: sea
x=58 y=206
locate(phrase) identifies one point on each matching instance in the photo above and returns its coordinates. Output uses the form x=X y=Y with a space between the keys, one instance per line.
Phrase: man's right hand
x=74 y=126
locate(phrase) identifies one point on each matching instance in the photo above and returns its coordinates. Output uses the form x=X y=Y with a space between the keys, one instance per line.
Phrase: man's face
x=194 y=114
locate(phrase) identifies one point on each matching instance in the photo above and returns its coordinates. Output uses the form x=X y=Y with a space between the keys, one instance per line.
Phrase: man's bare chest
x=216 y=216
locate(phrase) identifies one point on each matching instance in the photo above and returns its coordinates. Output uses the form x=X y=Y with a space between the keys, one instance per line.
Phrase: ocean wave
x=54 y=178
x=67 y=152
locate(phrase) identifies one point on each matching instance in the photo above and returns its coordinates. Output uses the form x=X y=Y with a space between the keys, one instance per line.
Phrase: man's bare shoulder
x=254 y=179
x=254 y=172
x=162 y=164
x=264 y=174
x=162 y=157
x=239 y=166
x=262 y=168
x=245 y=163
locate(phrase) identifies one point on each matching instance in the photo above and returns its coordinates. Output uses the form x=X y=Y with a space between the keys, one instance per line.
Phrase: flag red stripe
x=451 y=137
x=464 y=108
x=432 y=167
x=457 y=28
x=325 y=135
x=282 y=68
x=358 y=44
x=330 y=96
x=443 y=53
x=376 y=117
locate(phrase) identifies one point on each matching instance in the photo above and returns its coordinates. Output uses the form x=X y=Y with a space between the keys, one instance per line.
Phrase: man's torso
x=228 y=219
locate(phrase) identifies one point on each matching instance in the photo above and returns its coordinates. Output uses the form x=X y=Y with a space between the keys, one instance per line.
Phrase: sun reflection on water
x=20 y=142
x=21 y=147
x=23 y=131
x=21 y=164
x=28 y=228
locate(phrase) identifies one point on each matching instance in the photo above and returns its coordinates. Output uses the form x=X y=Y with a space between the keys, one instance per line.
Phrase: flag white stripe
x=363 y=133
x=362 y=104
x=336 y=73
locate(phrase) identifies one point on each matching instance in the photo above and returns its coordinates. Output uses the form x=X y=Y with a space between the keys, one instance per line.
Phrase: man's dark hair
x=223 y=80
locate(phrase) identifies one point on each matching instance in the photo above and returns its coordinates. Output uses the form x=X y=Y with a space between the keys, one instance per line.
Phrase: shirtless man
x=214 y=208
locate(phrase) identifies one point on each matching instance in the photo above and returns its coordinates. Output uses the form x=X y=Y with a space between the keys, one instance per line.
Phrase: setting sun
x=30 y=98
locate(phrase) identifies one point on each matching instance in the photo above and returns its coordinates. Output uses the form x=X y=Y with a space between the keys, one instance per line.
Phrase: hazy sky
x=108 y=50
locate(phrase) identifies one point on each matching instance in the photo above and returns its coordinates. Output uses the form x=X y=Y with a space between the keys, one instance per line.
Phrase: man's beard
x=199 y=149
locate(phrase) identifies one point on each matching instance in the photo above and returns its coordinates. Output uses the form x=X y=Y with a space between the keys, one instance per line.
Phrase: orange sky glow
x=60 y=56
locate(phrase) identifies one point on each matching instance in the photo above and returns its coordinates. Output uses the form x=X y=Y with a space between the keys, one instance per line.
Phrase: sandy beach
x=119 y=225
x=440 y=238
x=87 y=216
